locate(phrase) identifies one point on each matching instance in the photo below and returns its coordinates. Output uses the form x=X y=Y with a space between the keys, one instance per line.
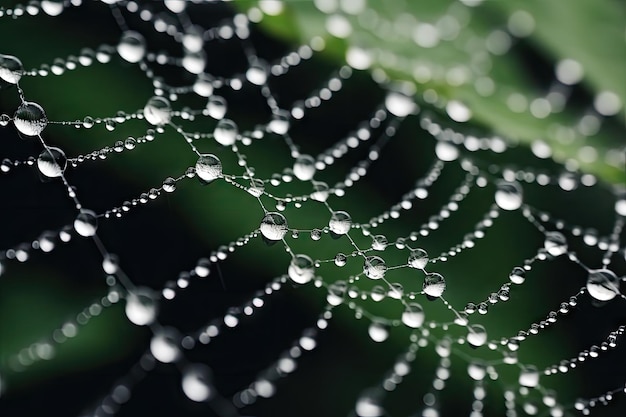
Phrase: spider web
x=199 y=220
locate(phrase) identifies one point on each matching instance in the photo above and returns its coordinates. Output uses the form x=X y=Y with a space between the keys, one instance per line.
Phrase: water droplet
x=476 y=371
x=434 y=285
x=274 y=226
x=446 y=151
x=280 y=122
x=158 y=111
x=132 y=46
x=374 y=267
x=316 y=234
x=225 y=132
x=86 y=223
x=192 y=39
x=336 y=293
x=555 y=243
x=379 y=242
x=413 y=315
x=340 y=259
x=517 y=275
x=52 y=7
x=321 y=191
x=476 y=335
x=257 y=187
x=203 y=85
x=11 y=70
x=399 y=104
x=304 y=167
x=340 y=222
x=529 y=376
x=30 y=119
x=169 y=185
x=208 y=167
x=141 y=306
x=418 y=259
x=458 y=111
x=379 y=332
x=110 y=264
x=52 y=162
x=368 y=406
x=301 y=269
x=194 y=62
x=257 y=72
x=603 y=284
x=196 y=383
x=509 y=195
x=216 y=106
x=164 y=345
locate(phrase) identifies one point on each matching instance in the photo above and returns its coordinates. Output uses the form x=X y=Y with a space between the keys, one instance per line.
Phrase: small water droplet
x=208 y=167
x=110 y=264
x=379 y=332
x=52 y=7
x=280 y=122
x=304 y=167
x=216 y=106
x=11 y=70
x=52 y=162
x=413 y=316
x=169 y=185
x=374 y=267
x=418 y=259
x=555 y=243
x=476 y=335
x=321 y=191
x=164 y=345
x=196 y=383
x=301 y=269
x=132 y=46
x=434 y=285
x=86 y=223
x=225 y=132
x=509 y=195
x=517 y=275
x=30 y=119
x=476 y=370
x=399 y=104
x=336 y=293
x=603 y=284
x=203 y=85
x=340 y=259
x=529 y=376
x=274 y=226
x=257 y=72
x=141 y=306
x=157 y=111
x=340 y=222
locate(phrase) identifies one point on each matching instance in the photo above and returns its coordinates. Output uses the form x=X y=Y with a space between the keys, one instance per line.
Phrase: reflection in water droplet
x=509 y=195
x=555 y=243
x=208 y=167
x=374 y=267
x=30 y=119
x=132 y=46
x=517 y=275
x=434 y=284
x=418 y=259
x=274 y=226
x=603 y=284
x=340 y=222
x=476 y=335
x=11 y=70
x=141 y=306
x=529 y=376
x=301 y=269
x=52 y=162
x=304 y=167
x=86 y=223
x=158 y=111
x=413 y=315
x=203 y=85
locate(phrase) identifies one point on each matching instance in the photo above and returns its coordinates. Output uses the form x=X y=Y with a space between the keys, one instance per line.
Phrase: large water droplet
x=279 y=123
x=476 y=370
x=132 y=46
x=336 y=293
x=340 y=222
x=413 y=316
x=208 y=167
x=164 y=345
x=368 y=406
x=509 y=195
x=11 y=69
x=301 y=269
x=379 y=332
x=555 y=243
x=30 y=119
x=192 y=39
x=399 y=104
x=321 y=191
x=52 y=162
x=157 y=111
x=203 y=85
x=476 y=335
x=529 y=376
x=418 y=259
x=141 y=306
x=274 y=226
x=446 y=151
x=434 y=285
x=86 y=223
x=603 y=284
x=216 y=107
x=517 y=275
x=304 y=167
x=52 y=7
x=196 y=383
x=257 y=72
x=225 y=132
x=194 y=62
x=374 y=267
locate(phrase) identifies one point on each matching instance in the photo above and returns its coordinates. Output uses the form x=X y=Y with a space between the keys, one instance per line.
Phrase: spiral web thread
x=413 y=288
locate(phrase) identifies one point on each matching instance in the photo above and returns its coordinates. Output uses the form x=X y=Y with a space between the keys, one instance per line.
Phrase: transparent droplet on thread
x=30 y=119
x=52 y=162
x=86 y=223
x=208 y=167
x=434 y=285
x=476 y=335
x=418 y=259
x=110 y=264
x=11 y=69
x=529 y=376
x=196 y=383
x=378 y=332
x=340 y=222
x=274 y=226
x=164 y=345
x=555 y=243
x=509 y=195
x=413 y=315
x=132 y=46
x=301 y=269
x=304 y=167
x=141 y=306
x=158 y=111
x=374 y=267
x=603 y=284
x=225 y=132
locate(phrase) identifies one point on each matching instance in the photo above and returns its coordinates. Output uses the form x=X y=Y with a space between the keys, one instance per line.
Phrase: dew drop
x=603 y=284
x=413 y=316
x=52 y=7
x=216 y=107
x=418 y=259
x=304 y=167
x=257 y=187
x=196 y=383
x=225 y=132
x=141 y=306
x=368 y=406
x=158 y=111
x=529 y=376
x=555 y=243
x=336 y=293
x=321 y=191
x=274 y=226
x=192 y=39
x=379 y=332
x=399 y=104
x=11 y=70
x=257 y=73
x=132 y=46
x=203 y=85
x=194 y=62
x=340 y=222
x=434 y=285
x=446 y=151
x=301 y=269
x=52 y=162
x=279 y=123
x=476 y=335
x=110 y=264
x=164 y=345
x=340 y=259
x=509 y=195
x=86 y=223
x=208 y=167
x=374 y=267
x=30 y=119
x=517 y=275
x=476 y=371
x=169 y=185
